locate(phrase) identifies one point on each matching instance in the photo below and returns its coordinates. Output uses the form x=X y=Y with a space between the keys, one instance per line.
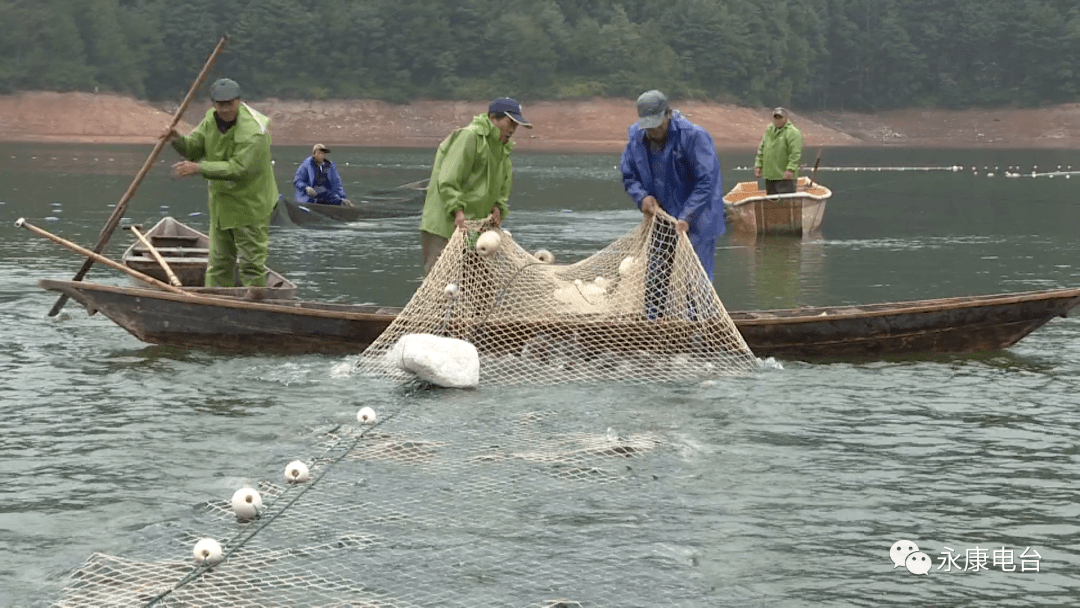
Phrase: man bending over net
x=471 y=177
x=670 y=163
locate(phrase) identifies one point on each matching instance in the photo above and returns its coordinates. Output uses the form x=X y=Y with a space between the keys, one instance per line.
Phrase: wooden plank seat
x=174 y=240
x=180 y=261
x=186 y=252
x=167 y=252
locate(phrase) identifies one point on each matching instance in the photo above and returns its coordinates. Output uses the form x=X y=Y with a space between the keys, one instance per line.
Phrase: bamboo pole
x=97 y=257
x=118 y=212
x=175 y=282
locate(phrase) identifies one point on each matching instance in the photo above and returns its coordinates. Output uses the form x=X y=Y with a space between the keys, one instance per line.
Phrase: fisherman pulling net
x=641 y=310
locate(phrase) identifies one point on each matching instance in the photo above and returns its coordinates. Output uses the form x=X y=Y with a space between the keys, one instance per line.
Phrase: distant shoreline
x=596 y=125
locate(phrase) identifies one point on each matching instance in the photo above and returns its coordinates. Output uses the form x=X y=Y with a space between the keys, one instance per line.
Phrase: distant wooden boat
x=750 y=210
x=292 y=214
x=406 y=200
x=185 y=250
x=948 y=325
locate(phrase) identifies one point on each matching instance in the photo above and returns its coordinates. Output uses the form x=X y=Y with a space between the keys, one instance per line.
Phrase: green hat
x=224 y=89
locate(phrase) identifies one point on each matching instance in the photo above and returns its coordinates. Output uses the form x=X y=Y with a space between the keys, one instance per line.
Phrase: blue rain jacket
x=685 y=179
x=325 y=181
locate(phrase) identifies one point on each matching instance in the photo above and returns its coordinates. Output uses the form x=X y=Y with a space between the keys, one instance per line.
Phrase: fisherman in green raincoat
x=231 y=149
x=779 y=155
x=471 y=178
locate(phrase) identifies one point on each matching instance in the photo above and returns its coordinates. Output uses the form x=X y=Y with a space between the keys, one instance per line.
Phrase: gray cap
x=224 y=89
x=651 y=108
x=780 y=112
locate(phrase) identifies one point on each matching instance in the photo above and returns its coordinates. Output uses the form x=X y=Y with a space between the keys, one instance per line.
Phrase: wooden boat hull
x=185 y=250
x=231 y=324
x=795 y=217
x=406 y=200
x=288 y=212
x=950 y=325
x=751 y=211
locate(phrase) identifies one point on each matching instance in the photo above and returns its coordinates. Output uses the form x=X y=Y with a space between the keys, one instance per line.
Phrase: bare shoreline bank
x=597 y=125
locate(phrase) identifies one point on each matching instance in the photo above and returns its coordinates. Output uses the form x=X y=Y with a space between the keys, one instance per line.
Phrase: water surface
x=785 y=488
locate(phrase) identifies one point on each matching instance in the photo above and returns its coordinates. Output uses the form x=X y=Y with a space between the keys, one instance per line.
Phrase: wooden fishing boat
x=948 y=325
x=406 y=200
x=290 y=213
x=751 y=211
x=231 y=324
x=185 y=250
x=967 y=324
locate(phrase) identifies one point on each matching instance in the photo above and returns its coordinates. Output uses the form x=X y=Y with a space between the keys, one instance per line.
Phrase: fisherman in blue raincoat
x=317 y=180
x=671 y=164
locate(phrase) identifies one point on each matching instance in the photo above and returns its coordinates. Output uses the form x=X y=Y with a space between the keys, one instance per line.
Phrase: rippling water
x=785 y=488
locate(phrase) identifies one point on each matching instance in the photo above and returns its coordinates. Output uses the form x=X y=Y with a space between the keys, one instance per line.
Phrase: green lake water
x=786 y=488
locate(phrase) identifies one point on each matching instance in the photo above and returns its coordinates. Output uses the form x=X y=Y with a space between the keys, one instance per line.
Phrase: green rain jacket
x=236 y=165
x=780 y=150
x=472 y=172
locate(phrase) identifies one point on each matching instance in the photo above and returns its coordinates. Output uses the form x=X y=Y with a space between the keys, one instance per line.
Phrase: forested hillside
x=862 y=55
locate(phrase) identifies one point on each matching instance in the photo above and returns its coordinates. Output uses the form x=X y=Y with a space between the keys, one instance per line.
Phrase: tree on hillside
x=1045 y=51
x=631 y=60
x=852 y=54
x=115 y=66
x=272 y=47
x=189 y=31
x=531 y=45
x=13 y=37
x=55 y=56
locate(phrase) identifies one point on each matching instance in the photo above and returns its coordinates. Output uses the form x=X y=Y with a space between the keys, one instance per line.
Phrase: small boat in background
x=185 y=250
x=406 y=200
x=751 y=211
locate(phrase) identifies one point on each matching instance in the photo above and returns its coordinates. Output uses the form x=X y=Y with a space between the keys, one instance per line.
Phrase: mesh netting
x=640 y=310
x=515 y=508
x=439 y=504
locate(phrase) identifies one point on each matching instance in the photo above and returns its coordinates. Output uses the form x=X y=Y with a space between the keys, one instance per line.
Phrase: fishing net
x=447 y=501
x=517 y=508
x=641 y=310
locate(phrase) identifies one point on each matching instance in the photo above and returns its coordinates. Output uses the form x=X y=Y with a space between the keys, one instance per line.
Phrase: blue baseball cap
x=512 y=109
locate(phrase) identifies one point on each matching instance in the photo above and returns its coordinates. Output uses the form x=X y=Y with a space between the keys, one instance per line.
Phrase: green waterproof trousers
x=250 y=244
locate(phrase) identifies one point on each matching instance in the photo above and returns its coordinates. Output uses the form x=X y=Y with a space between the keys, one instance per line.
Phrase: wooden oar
x=157 y=256
x=97 y=257
x=118 y=212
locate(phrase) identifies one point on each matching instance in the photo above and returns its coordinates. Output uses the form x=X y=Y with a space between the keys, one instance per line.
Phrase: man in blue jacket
x=317 y=180
x=670 y=163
